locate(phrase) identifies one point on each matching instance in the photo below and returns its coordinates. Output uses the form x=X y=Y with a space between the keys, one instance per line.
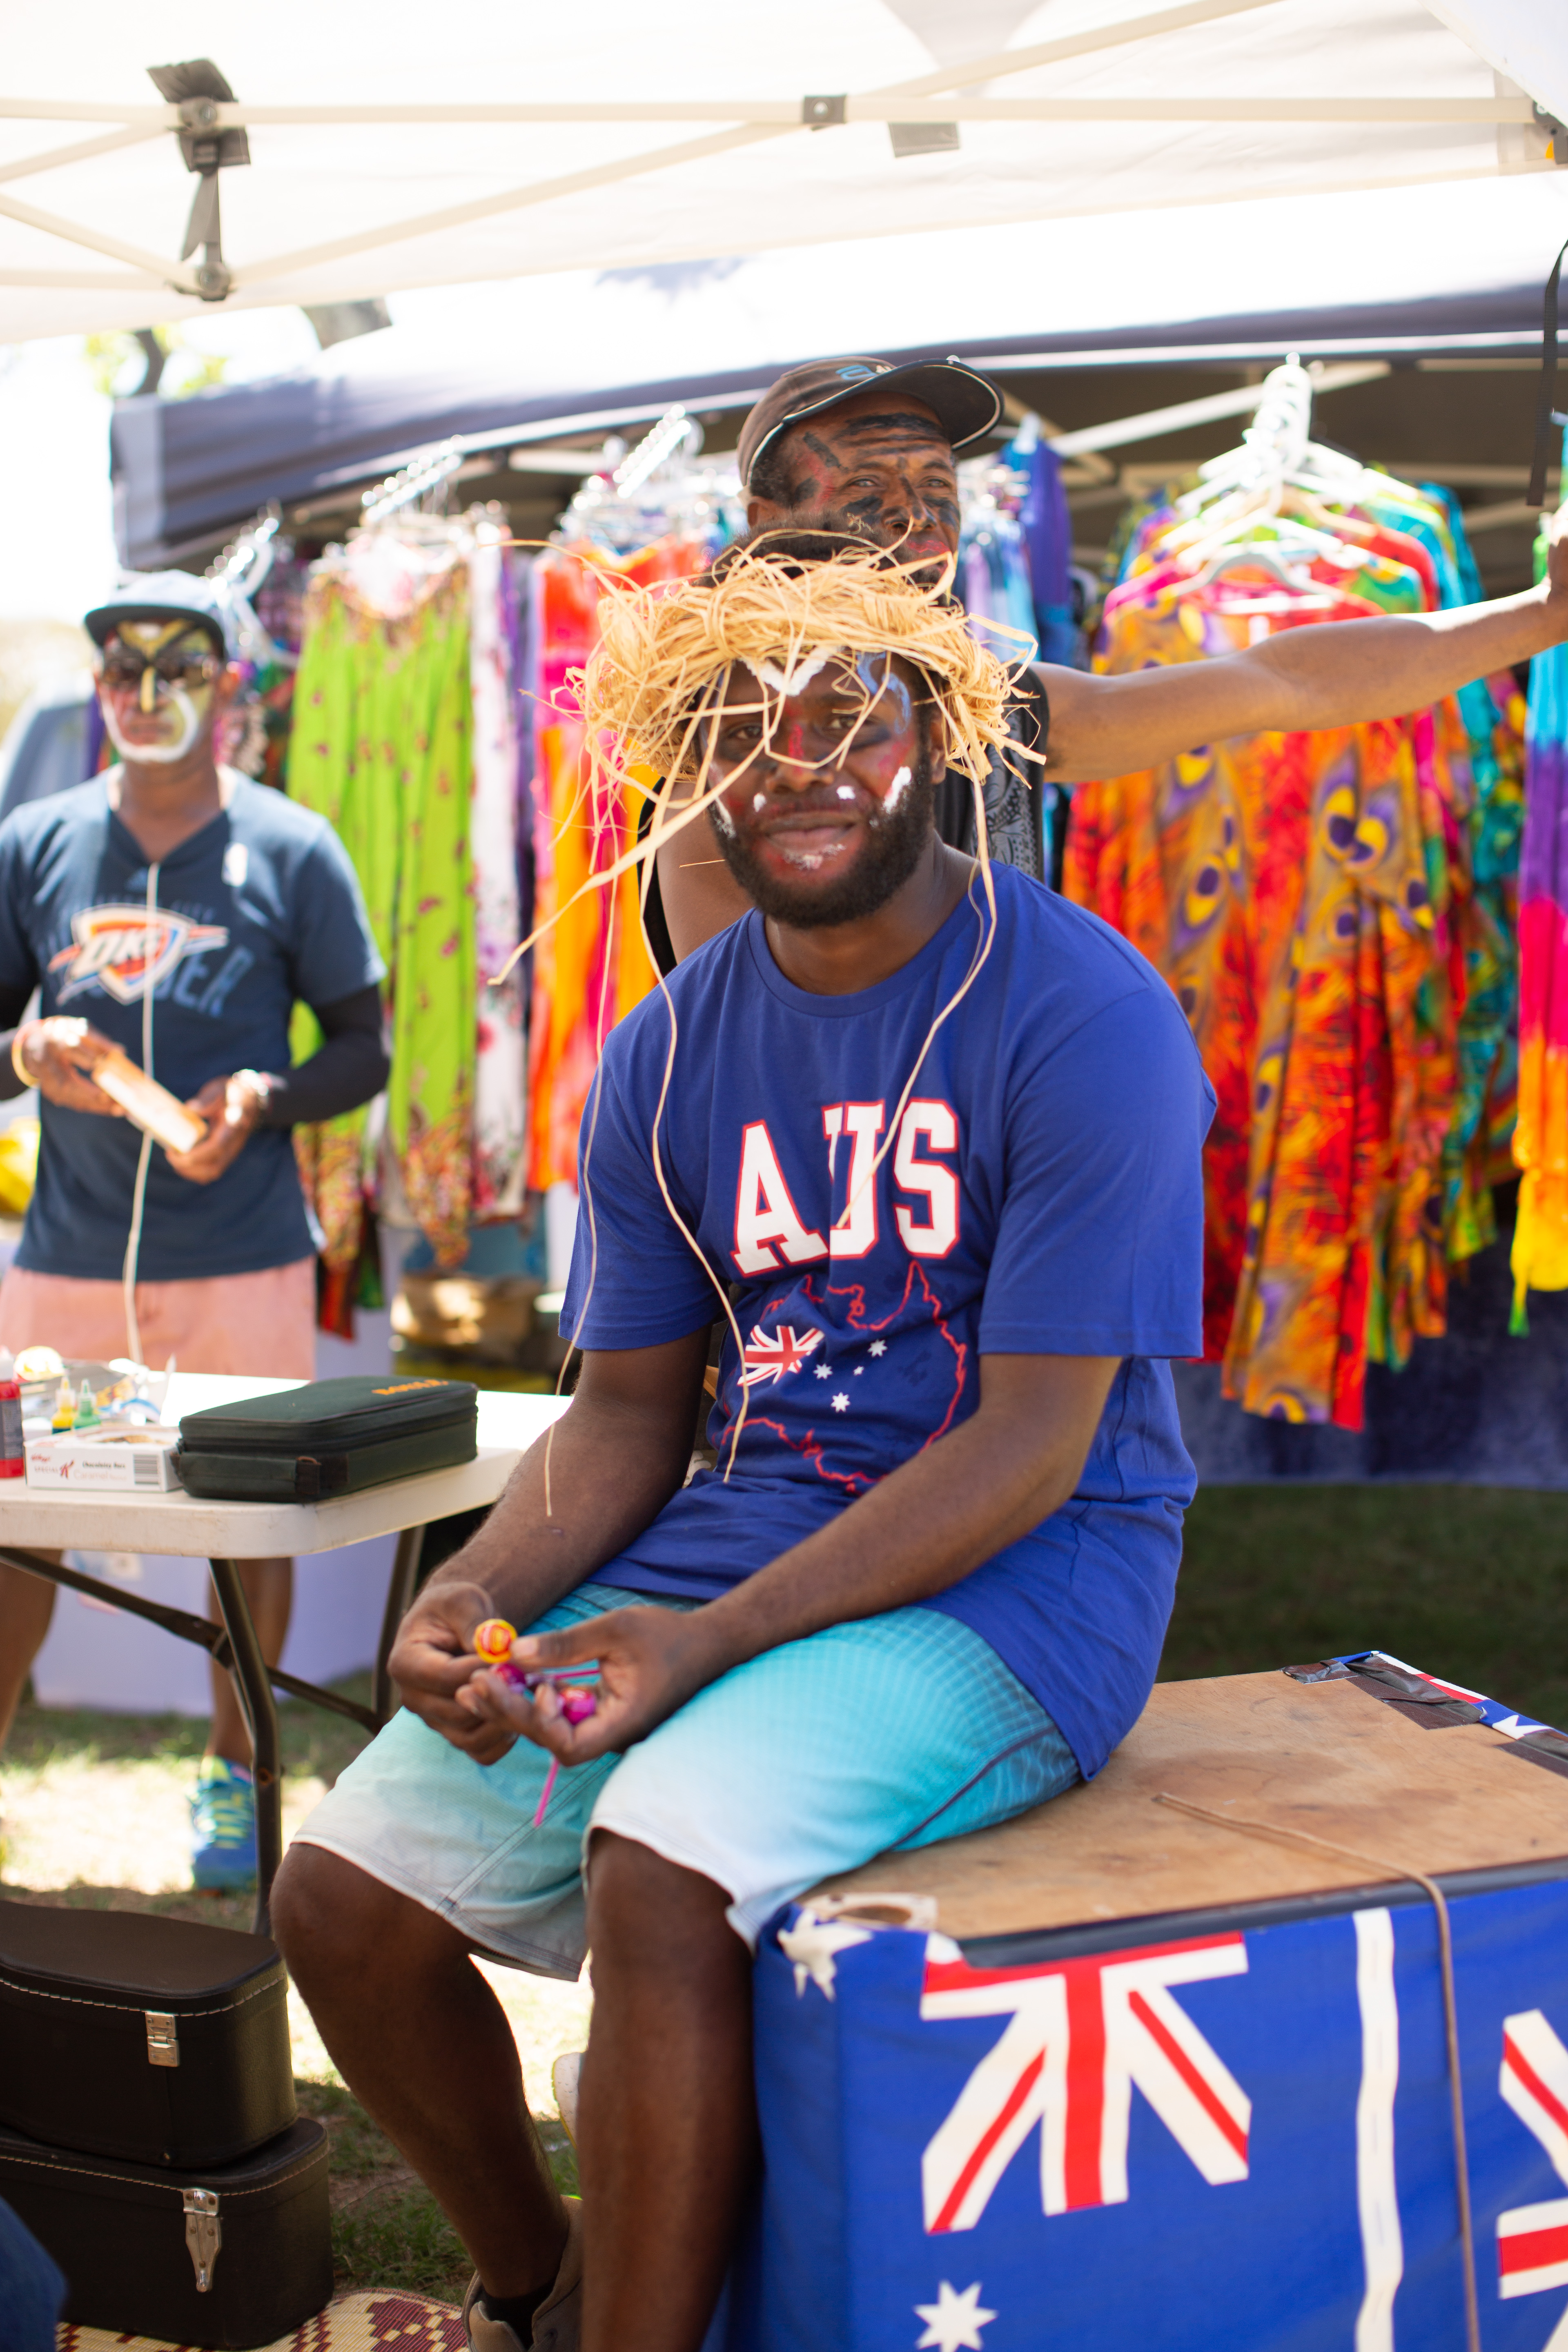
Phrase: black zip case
x=227 y=2257
x=329 y=1437
x=157 y=2041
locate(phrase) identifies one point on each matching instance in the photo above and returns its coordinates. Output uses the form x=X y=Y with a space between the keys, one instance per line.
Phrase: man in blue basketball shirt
x=929 y=1588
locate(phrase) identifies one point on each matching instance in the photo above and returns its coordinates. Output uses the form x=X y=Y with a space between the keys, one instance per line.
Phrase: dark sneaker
x=558 y=2322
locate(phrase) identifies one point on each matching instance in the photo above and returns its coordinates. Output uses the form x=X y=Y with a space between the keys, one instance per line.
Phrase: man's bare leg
x=26 y=1605
x=269 y=1586
x=425 y=2046
x=667 y=2129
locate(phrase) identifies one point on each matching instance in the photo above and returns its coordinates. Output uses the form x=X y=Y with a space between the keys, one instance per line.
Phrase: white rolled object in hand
x=149 y=1106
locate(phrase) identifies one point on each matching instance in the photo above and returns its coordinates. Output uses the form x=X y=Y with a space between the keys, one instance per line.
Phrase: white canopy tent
x=423 y=148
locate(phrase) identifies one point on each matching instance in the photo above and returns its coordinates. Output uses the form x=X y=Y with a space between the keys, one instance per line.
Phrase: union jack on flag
x=1083 y=2035
x=769 y=1355
x=1532 y=2240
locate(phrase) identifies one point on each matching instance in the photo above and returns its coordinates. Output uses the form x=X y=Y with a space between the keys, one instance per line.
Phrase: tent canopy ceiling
x=530 y=140
x=529 y=376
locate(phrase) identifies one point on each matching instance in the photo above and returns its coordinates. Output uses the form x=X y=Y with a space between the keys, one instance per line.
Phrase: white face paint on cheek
x=758 y=801
x=723 y=819
x=897 y=788
x=156 y=755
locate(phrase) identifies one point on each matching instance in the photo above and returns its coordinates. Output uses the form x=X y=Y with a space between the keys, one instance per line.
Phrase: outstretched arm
x=1016 y=1460
x=615 y=1456
x=1334 y=676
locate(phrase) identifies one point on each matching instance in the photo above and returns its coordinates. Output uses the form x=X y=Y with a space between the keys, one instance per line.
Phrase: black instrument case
x=160 y=2041
x=230 y=2256
x=326 y=1438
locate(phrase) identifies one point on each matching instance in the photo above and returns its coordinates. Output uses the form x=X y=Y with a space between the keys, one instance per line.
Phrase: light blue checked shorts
x=891 y=1732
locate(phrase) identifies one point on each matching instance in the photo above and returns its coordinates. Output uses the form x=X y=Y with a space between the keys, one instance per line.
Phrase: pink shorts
x=261 y=1324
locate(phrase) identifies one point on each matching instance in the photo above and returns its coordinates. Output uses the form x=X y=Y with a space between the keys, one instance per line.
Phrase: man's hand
x=232 y=1108
x=432 y=1660
x=58 y=1055
x=650 y=1662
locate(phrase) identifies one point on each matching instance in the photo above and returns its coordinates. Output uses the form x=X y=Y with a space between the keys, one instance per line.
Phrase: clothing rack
x=240 y=571
x=633 y=497
x=413 y=481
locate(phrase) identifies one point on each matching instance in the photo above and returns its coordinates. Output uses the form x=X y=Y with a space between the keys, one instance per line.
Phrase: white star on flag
x=811 y=1944
x=841 y=1402
x=953 y=2322
x=824 y=1372
x=879 y=1347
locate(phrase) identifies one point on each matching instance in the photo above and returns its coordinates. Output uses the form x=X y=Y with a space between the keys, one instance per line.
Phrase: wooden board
x=1320 y=1756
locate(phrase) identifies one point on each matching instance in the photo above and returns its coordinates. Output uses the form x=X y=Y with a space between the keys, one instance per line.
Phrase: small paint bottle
x=13 y=1454
x=65 y=1408
x=86 y=1412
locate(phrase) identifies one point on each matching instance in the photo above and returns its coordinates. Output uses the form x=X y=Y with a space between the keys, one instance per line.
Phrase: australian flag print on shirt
x=883 y=1208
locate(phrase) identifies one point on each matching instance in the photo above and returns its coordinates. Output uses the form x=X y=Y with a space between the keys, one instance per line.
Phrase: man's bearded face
x=828 y=785
x=159 y=688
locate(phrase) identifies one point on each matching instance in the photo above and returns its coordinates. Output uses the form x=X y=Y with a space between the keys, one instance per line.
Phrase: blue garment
x=49 y=744
x=802 y=1762
x=31 y=2288
x=1043 y=1197
x=257 y=909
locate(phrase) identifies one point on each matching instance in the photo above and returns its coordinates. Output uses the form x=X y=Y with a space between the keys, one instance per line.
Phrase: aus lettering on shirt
x=770 y=1231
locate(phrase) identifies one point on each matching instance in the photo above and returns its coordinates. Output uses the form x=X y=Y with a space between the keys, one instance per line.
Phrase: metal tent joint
x=197 y=91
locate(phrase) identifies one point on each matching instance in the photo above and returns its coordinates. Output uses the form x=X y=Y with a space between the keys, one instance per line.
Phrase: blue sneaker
x=222 y=1828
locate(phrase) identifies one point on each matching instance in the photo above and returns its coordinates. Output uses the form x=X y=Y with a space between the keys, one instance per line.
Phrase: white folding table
x=226 y=1533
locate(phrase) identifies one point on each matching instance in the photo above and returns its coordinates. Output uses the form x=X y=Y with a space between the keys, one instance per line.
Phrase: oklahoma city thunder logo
x=127 y=951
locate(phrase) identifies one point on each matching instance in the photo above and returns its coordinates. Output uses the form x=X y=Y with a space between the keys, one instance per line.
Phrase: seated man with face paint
x=935 y=1134
x=174 y=909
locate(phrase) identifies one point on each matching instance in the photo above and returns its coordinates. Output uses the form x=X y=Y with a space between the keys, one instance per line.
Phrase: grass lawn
x=1469 y=1582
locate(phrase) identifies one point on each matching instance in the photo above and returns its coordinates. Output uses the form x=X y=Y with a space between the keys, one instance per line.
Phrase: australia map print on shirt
x=852 y=1363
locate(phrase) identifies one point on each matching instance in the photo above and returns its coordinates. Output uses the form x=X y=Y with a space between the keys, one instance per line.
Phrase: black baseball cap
x=965 y=404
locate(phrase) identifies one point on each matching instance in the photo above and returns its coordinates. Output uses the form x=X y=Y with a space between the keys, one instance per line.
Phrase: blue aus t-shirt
x=260 y=907
x=1043 y=1196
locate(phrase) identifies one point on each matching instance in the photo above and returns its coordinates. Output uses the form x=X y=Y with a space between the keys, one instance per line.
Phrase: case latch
x=163 y=2037
x=204 y=2235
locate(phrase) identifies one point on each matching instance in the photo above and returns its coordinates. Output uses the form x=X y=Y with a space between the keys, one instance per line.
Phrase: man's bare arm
x=615 y=1456
x=1016 y=1460
x=1340 y=675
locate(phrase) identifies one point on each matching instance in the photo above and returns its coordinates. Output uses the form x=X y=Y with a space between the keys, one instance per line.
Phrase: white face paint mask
x=156 y=755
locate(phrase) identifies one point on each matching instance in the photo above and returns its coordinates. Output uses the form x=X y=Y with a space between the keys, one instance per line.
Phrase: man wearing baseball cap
x=176 y=910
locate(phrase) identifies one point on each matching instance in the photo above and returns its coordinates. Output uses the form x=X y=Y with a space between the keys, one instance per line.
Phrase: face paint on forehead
x=796 y=679
x=151 y=637
x=899 y=426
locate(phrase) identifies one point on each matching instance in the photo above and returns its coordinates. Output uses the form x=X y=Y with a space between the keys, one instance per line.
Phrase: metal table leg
x=399 y=1593
x=255 y=1685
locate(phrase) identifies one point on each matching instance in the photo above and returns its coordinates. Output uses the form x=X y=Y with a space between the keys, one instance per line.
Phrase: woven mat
x=384 y=2322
